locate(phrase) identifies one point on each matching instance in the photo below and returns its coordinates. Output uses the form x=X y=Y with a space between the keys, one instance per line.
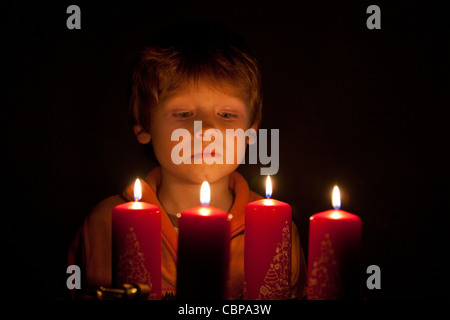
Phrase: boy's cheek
x=163 y=149
x=234 y=153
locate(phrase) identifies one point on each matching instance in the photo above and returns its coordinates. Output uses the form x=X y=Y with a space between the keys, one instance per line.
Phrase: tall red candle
x=203 y=251
x=267 y=249
x=136 y=244
x=334 y=254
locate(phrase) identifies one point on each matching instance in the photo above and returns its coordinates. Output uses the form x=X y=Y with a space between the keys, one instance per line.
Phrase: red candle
x=334 y=254
x=136 y=244
x=267 y=249
x=203 y=251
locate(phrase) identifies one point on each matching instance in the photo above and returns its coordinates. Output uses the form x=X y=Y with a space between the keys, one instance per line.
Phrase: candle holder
x=138 y=291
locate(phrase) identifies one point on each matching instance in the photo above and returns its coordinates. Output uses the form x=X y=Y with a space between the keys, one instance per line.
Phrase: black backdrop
x=364 y=109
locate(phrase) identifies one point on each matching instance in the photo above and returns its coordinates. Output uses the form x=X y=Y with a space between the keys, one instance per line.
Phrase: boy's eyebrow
x=174 y=100
x=228 y=106
x=186 y=106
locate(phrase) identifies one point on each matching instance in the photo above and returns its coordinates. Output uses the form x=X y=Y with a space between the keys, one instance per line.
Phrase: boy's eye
x=183 y=115
x=227 y=115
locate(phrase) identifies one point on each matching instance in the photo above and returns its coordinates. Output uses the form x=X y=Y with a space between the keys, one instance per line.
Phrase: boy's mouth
x=205 y=155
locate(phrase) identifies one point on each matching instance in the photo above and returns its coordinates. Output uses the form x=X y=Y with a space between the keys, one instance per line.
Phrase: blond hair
x=191 y=53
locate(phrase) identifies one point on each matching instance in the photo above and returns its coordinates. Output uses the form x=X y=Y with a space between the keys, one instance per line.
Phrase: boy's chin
x=197 y=173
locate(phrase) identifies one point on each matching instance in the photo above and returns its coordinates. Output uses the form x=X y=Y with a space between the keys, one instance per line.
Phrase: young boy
x=198 y=72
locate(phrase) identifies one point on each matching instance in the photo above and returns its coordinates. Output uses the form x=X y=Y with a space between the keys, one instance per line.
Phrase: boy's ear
x=142 y=136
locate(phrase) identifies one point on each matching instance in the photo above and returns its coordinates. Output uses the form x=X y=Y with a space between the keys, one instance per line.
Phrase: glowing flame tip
x=336 y=198
x=205 y=194
x=137 y=190
x=268 y=188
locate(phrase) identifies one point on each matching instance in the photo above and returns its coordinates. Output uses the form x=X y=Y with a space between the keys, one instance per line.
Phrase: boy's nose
x=198 y=134
x=199 y=130
x=206 y=133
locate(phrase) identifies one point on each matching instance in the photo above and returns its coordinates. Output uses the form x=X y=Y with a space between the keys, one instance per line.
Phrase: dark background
x=364 y=109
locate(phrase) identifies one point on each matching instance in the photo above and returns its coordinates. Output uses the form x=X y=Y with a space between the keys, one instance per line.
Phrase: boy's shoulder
x=253 y=196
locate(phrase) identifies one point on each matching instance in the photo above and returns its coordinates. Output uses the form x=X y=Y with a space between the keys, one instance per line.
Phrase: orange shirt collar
x=149 y=194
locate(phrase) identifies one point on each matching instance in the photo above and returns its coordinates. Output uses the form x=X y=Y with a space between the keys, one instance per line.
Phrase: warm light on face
x=268 y=188
x=336 y=198
x=137 y=190
x=205 y=194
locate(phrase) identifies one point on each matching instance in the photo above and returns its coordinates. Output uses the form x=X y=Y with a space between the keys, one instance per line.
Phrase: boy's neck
x=177 y=196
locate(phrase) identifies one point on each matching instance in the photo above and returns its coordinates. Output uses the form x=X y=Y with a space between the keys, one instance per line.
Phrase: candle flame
x=137 y=190
x=268 y=188
x=205 y=194
x=336 y=198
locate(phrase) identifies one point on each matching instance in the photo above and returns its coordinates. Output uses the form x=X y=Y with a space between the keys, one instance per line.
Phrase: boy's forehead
x=222 y=89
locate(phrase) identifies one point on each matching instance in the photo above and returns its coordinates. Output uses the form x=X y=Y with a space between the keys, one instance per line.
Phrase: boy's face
x=219 y=109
